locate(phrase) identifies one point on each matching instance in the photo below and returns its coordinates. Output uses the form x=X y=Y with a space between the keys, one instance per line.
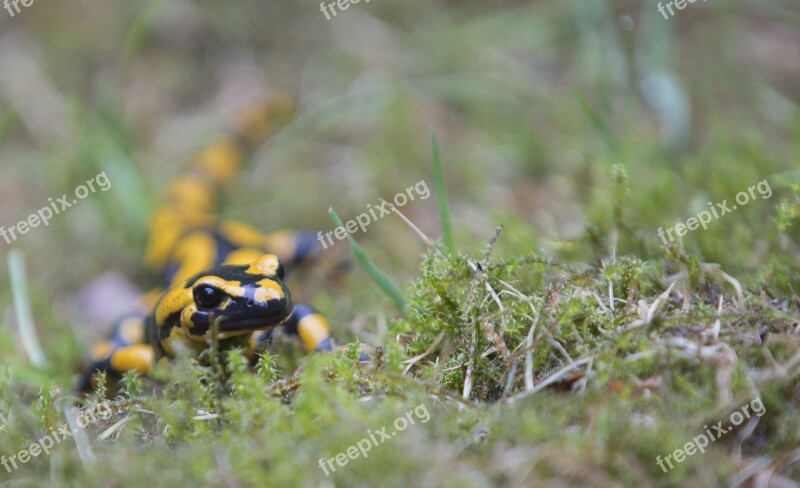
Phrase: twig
x=82 y=443
x=715 y=270
x=529 y=354
x=477 y=270
x=551 y=379
x=427 y=240
x=411 y=362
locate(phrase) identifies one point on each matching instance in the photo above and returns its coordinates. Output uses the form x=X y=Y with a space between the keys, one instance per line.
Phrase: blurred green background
x=582 y=126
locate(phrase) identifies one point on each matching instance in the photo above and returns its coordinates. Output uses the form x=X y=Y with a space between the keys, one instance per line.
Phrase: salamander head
x=239 y=299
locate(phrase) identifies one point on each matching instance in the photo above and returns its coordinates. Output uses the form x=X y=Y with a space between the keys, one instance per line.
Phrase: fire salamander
x=220 y=280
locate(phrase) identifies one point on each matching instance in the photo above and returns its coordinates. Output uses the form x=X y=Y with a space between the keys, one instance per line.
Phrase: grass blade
x=378 y=276
x=441 y=197
x=22 y=307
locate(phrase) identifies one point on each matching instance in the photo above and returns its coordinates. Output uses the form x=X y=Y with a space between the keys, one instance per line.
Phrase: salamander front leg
x=311 y=327
x=305 y=323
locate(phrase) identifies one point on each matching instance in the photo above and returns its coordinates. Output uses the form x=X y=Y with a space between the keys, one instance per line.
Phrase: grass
x=552 y=337
x=375 y=273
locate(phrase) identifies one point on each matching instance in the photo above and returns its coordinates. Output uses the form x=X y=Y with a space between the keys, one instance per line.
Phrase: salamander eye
x=280 y=272
x=207 y=296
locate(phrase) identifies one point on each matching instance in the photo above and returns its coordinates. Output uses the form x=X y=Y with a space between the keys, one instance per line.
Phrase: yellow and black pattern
x=218 y=278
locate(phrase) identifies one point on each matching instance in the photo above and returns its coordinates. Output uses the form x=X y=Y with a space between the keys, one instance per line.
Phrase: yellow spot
x=186 y=318
x=167 y=226
x=242 y=234
x=195 y=253
x=173 y=301
x=101 y=349
x=252 y=345
x=313 y=329
x=268 y=290
x=283 y=243
x=263 y=119
x=221 y=161
x=232 y=288
x=244 y=256
x=188 y=190
x=137 y=358
x=265 y=265
x=132 y=330
x=179 y=345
